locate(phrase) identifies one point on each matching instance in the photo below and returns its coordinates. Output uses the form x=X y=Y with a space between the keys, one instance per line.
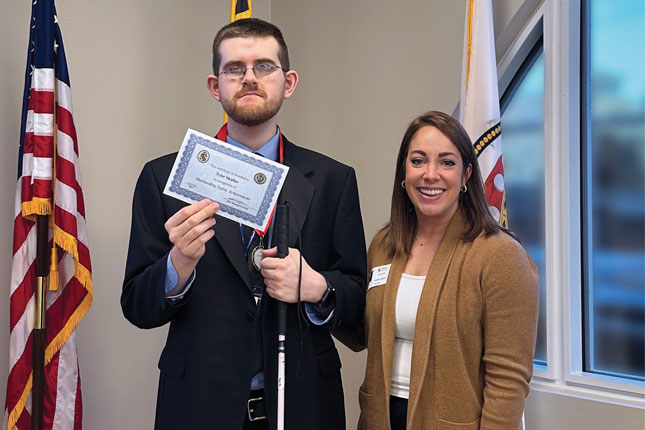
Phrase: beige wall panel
x=366 y=69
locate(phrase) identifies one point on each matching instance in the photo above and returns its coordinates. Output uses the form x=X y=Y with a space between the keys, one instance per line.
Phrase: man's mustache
x=255 y=91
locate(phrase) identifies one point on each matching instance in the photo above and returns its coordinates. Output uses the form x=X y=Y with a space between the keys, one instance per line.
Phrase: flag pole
x=42 y=268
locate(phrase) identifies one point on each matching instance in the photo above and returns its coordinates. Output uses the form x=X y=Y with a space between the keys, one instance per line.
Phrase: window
x=613 y=187
x=522 y=106
x=573 y=121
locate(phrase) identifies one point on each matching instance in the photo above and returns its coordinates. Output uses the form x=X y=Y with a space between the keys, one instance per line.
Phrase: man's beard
x=252 y=115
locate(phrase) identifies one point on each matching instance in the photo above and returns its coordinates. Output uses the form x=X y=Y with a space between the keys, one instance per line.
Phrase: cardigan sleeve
x=510 y=307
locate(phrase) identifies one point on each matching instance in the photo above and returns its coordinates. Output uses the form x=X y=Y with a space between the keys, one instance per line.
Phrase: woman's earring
x=403 y=184
x=463 y=189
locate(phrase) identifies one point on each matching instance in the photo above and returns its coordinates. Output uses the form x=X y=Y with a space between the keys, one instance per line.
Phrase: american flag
x=48 y=184
x=479 y=104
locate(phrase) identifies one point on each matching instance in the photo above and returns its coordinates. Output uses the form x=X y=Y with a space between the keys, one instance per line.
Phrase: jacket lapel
x=227 y=233
x=388 y=320
x=434 y=283
x=297 y=190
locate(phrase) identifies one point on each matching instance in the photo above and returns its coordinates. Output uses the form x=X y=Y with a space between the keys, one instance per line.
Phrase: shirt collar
x=268 y=150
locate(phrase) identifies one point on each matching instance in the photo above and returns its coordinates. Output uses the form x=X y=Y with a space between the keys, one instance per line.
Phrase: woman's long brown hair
x=398 y=232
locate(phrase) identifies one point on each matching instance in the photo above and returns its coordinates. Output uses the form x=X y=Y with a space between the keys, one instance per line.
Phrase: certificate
x=245 y=185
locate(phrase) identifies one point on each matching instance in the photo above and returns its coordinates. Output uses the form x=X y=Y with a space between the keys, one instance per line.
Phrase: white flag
x=479 y=104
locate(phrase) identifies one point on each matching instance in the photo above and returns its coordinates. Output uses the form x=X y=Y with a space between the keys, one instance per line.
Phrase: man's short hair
x=250 y=27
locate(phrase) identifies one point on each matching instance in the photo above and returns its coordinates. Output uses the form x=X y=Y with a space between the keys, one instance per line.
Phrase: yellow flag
x=240 y=9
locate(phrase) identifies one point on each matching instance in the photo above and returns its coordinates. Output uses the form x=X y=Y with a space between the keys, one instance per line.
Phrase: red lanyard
x=221 y=135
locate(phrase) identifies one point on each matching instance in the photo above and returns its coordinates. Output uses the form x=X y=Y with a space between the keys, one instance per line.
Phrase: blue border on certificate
x=193 y=140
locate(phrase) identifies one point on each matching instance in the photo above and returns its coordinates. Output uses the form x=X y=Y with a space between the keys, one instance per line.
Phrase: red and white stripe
x=66 y=306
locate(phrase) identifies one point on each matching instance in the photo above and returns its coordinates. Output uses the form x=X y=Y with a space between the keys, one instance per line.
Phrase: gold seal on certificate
x=245 y=185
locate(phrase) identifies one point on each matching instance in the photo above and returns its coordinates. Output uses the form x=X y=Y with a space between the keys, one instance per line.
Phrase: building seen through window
x=613 y=178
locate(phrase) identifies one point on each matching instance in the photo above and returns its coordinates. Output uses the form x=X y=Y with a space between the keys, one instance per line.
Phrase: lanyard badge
x=256 y=254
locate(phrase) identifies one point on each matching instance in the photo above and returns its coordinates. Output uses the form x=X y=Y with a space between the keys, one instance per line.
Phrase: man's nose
x=249 y=76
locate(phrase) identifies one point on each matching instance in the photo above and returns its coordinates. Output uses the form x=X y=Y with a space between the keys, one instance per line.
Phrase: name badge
x=379 y=275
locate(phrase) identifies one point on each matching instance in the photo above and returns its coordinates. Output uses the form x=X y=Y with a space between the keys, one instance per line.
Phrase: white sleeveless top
x=407 y=303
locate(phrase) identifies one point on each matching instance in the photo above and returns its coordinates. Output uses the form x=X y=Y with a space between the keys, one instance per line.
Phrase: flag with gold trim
x=49 y=185
x=479 y=104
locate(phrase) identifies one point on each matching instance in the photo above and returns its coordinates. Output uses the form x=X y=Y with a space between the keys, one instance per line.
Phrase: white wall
x=137 y=70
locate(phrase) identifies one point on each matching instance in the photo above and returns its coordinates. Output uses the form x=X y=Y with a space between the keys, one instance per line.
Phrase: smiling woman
x=434 y=177
x=451 y=310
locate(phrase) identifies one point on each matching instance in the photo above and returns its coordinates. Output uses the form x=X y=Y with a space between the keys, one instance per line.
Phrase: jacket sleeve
x=347 y=259
x=143 y=299
x=510 y=308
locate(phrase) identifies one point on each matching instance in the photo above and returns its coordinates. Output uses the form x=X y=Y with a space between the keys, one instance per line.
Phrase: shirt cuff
x=171 y=281
x=318 y=315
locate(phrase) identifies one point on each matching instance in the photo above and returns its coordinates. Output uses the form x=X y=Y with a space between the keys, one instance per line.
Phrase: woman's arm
x=509 y=315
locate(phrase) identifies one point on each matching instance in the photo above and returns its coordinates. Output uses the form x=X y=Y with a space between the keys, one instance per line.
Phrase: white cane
x=282 y=220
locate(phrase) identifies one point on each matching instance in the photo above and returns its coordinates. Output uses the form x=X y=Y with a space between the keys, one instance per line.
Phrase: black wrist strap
x=327 y=295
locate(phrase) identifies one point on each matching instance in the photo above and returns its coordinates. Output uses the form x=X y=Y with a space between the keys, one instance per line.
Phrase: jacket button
x=250 y=315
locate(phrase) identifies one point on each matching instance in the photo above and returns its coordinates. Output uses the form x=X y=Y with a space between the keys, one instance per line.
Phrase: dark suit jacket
x=207 y=362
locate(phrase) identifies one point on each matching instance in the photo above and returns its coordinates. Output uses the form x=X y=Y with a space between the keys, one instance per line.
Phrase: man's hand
x=281 y=277
x=189 y=229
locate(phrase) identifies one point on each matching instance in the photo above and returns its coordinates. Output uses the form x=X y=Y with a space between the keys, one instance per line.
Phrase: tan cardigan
x=473 y=346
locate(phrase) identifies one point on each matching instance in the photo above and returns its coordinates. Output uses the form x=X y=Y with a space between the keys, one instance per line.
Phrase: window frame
x=509 y=66
x=563 y=80
x=559 y=23
x=529 y=60
x=608 y=380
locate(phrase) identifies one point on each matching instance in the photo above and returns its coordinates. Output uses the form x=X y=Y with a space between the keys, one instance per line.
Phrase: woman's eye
x=448 y=162
x=416 y=161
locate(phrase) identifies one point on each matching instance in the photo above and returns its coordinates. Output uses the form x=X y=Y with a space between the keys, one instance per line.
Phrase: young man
x=189 y=267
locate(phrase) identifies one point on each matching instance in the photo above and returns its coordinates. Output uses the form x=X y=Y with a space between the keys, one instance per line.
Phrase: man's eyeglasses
x=260 y=70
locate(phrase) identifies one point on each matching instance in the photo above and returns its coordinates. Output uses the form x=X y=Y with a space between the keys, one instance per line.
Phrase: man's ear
x=291 y=81
x=213 y=86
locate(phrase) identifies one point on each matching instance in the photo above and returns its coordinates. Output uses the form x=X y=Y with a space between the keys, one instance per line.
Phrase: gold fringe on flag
x=57 y=343
x=12 y=420
x=36 y=206
x=469 y=38
x=69 y=244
